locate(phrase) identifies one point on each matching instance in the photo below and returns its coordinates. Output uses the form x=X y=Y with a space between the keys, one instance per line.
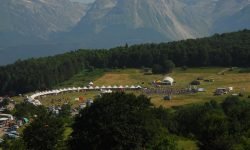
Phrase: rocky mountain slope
x=45 y=27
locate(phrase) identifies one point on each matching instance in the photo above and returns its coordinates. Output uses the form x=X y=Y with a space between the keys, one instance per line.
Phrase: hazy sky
x=85 y=1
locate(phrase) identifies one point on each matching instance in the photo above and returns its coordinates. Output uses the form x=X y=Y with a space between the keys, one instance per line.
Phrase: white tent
x=109 y=87
x=168 y=80
x=91 y=87
x=138 y=87
x=132 y=87
x=115 y=87
x=103 y=87
x=126 y=86
x=97 y=87
x=85 y=88
x=91 y=83
x=121 y=87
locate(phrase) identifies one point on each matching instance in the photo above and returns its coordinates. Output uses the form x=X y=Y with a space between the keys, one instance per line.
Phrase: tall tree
x=119 y=121
x=44 y=133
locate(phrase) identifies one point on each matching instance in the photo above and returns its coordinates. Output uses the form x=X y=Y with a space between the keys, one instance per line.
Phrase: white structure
x=138 y=87
x=132 y=87
x=105 y=89
x=168 y=81
x=8 y=116
x=230 y=88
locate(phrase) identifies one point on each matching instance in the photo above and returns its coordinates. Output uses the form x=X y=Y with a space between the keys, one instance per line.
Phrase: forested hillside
x=232 y=49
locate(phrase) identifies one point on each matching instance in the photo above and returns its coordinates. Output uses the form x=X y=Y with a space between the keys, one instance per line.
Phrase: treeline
x=215 y=126
x=230 y=49
x=125 y=121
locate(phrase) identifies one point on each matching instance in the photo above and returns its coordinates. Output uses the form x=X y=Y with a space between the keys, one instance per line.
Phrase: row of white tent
x=133 y=87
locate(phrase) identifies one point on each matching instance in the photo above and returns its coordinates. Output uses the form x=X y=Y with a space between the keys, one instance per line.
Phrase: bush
x=195 y=82
x=167 y=67
x=241 y=95
x=184 y=68
x=157 y=69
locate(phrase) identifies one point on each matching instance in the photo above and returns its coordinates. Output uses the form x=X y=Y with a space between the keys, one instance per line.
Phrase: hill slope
x=33 y=74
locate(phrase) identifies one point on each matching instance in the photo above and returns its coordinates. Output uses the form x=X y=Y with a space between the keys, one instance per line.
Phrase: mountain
x=116 y=22
x=39 y=18
x=46 y=27
x=27 y=24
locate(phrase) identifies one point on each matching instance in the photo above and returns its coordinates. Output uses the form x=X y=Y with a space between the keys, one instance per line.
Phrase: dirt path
x=223 y=71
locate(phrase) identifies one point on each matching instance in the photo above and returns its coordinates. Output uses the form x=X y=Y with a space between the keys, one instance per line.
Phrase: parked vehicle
x=11 y=136
x=1 y=140
x=14 y=132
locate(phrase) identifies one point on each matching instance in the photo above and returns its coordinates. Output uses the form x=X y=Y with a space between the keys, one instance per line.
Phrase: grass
x=67 y=98
x=67 y=132
x=240 y=82
x=82 y=78
x=186 y=144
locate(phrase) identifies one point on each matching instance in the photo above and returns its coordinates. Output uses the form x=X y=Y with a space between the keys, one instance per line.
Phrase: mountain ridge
x=48 y=27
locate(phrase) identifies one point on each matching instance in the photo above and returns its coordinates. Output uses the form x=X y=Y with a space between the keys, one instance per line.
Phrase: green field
x=222 y=78
x=240 y=82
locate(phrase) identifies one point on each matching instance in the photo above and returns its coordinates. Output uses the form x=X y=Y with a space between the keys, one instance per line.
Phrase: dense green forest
x=125 y=121
x=231 y=49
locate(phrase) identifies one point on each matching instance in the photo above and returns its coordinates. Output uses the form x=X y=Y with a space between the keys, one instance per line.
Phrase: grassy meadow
x=222 y=77
x=240 y=82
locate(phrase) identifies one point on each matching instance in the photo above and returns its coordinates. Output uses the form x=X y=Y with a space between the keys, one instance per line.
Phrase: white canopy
x=3 y=119
x=132 y=87
x=169 y=80
x=138 y=87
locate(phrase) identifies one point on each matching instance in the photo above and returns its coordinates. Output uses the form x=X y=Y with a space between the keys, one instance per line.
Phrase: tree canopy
x=229 y=50
x=120 y=121
x=44 y=133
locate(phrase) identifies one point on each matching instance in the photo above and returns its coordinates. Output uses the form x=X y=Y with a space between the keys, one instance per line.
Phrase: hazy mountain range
x=45 y=27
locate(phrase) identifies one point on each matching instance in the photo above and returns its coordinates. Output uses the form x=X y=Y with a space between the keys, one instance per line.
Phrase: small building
x=230 y=88
x=168 y=81
x=201 y=90
x=221 y=91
